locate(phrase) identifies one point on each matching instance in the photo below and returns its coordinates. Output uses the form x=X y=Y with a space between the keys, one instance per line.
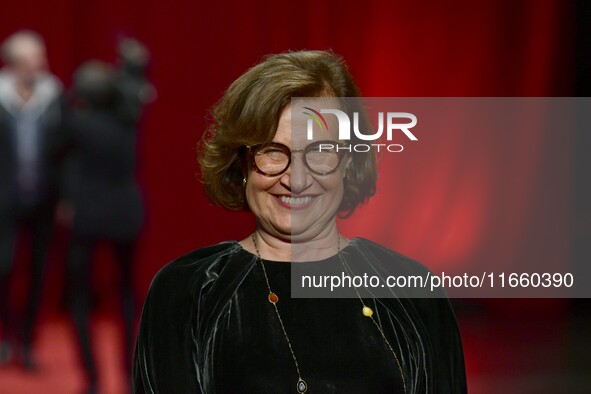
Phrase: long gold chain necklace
x=301 y=385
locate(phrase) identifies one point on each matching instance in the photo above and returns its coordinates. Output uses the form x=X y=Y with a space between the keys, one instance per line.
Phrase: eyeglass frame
x=289 y=152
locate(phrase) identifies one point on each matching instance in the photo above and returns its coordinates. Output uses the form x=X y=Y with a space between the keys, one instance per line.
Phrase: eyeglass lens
x=320 y=158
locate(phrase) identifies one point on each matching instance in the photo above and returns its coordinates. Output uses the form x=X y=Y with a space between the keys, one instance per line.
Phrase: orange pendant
x=273 y=299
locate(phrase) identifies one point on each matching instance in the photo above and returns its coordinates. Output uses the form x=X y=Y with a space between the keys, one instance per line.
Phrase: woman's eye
x=274 y=153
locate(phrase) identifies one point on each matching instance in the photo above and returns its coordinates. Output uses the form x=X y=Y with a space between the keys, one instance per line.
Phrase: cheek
x=256 y=187
x=334 y=184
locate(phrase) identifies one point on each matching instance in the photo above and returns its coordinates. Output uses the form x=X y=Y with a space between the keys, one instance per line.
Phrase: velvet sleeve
x=165 y=359
x=447 y=361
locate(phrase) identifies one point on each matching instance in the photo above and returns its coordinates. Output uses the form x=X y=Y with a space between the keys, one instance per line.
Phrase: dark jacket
x=100 y=177
x=207 y=327
x=48 y=112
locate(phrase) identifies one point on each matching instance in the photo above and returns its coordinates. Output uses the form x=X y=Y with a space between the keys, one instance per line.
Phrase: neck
x=274 y=248
x=24 y=89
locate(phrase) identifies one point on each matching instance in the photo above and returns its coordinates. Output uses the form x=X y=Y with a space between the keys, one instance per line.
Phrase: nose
x=297 y=177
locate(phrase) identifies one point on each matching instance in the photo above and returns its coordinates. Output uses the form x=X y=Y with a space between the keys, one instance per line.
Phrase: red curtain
x=393 y=48
x=457 y=48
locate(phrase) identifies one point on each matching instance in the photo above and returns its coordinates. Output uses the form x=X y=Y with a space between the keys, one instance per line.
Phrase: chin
x=301 y=231
x=291 y=233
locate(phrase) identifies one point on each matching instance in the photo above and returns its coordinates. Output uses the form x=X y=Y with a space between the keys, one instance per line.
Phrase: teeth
x=295 y=201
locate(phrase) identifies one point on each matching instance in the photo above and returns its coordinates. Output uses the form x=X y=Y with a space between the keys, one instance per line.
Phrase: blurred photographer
x=104 y=202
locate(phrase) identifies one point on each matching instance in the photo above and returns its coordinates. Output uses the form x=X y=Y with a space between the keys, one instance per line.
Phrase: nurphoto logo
x=395 y=122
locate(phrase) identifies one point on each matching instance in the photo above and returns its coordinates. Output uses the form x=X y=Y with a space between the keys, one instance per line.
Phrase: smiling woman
x=296 y=200
x=220 y=319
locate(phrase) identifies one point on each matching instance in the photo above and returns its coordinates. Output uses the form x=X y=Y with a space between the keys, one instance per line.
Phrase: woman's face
x=296 y=205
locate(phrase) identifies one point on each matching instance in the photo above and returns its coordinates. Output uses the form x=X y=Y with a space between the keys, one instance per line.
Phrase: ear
x=347 y=163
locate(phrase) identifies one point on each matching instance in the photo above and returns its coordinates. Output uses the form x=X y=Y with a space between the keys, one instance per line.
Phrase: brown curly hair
x=248 y=114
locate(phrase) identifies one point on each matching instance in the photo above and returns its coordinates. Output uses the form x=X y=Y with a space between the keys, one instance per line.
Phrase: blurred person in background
x=103 y=200
x=31 y=142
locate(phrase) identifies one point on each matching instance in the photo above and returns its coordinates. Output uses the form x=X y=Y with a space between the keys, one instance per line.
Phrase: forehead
x=25 y=46
x=302 y=116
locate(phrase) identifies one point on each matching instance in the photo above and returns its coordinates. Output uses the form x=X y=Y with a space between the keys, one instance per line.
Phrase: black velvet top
x=207 y=327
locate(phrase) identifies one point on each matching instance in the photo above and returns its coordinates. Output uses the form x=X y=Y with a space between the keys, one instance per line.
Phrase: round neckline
x=288 y=263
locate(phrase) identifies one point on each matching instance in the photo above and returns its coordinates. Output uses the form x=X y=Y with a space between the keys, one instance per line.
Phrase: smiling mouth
x=295 y=202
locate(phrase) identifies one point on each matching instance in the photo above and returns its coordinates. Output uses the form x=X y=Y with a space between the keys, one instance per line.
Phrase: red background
x=465 y=48
x=393 y=49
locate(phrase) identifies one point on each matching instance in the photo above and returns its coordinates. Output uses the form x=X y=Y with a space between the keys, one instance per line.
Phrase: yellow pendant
x=367 y=311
